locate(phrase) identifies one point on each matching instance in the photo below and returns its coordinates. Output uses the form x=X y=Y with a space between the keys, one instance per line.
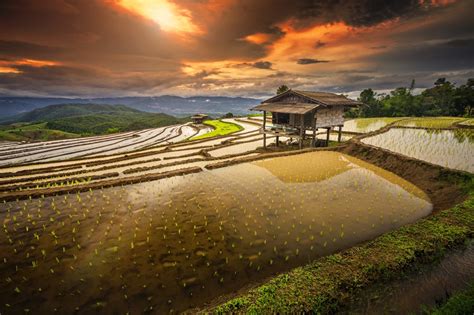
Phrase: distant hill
x=171 y=105
x=61 y=111
x=73 y=120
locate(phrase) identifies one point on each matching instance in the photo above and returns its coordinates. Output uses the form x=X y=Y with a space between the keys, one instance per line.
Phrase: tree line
x=443 y=99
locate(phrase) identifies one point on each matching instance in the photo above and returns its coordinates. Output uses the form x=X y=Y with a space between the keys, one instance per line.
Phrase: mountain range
x=167 y=104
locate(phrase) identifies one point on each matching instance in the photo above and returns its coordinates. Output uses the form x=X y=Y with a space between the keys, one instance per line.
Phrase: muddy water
x=448 y=148
x=173 y=244
x=425 y=287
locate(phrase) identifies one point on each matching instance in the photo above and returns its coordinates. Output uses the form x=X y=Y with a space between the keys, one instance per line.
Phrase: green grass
x=324 y=285
x=221 y=128
x=97 y=124
x=32 y=132
x=460 y=303
x=74 y=120
x=430 y=122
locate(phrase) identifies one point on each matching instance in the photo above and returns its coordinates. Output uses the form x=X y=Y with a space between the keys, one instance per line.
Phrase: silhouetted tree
x=282 y=89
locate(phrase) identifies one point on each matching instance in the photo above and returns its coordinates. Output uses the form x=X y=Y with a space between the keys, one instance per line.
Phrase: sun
x=167 y=15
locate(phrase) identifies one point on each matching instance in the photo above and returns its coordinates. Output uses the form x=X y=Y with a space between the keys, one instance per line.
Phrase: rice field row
x=448 y=148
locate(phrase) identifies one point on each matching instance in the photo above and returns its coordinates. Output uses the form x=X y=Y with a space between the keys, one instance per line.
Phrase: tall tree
x=372 y=106
x=438 y=100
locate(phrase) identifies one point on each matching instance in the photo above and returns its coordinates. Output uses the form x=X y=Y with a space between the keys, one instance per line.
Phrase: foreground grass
x=460 y=303
x=221 y=128
x=324 y=285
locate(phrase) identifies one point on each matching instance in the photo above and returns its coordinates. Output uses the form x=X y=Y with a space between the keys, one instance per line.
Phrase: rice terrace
x=349 y=191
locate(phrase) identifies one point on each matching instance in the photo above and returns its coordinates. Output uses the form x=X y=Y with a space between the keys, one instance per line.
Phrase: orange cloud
x=11 y=66
x=166 y=14
x=8 y=70
x=258 y=38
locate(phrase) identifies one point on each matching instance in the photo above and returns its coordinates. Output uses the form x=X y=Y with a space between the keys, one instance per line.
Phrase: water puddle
x=448 y=148
x=173 y=244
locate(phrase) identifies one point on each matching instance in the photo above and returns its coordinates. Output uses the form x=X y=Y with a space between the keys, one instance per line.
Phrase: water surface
x=169 y=245
x=448 y=148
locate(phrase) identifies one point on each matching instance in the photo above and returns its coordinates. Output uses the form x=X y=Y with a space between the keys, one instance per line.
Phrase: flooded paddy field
x=364 y=125
x=430 y=122
x=172 y=244
x=448 y=148
x=93 y=146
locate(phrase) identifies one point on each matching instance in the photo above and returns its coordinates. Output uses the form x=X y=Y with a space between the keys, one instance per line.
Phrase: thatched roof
x=290 y=108
x=320 y=98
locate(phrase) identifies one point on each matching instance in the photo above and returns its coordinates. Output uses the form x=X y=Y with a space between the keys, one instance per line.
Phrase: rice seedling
x=214 y=230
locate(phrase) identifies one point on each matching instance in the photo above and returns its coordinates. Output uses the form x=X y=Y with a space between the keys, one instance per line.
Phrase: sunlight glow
x=167 y=15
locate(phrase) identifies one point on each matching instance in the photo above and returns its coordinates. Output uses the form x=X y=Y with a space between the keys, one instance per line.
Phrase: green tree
x=282 y=89
x=439 y=100
x=372 y=105
x=463 y=101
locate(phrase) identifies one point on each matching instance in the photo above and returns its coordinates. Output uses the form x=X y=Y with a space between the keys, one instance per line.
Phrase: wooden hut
x=297 y=114
x=199 y=118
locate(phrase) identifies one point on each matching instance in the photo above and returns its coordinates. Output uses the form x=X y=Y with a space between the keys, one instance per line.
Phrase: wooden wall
x=328 y=117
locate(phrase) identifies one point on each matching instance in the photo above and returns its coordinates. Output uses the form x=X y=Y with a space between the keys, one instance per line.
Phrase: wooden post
x=301 y=131
x=277 y=140
x=313 y=122
x=263 y=129
x=339 y=135
x=327 y=136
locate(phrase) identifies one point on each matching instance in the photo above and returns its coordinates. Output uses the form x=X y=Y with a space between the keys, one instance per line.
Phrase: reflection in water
x=448 y=148
x=176 y=243
x=365 y=125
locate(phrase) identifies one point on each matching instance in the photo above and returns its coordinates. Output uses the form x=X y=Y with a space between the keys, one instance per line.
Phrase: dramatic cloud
x=262 y=65
x=229 y=47
x=308 y=61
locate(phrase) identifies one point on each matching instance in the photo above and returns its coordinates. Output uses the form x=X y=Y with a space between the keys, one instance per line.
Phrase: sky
x=107 y=48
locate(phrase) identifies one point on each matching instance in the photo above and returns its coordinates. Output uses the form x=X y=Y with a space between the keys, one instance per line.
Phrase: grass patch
x=221 y=128
x=324 y=285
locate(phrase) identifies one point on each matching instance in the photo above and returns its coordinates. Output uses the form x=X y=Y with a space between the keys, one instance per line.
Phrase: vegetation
x=221 y=128
x=32 y=132
x=460 y=303
x=323 y=286
x=282 y=89
x=106 y=123
x=444 y=99
x=74 y=120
